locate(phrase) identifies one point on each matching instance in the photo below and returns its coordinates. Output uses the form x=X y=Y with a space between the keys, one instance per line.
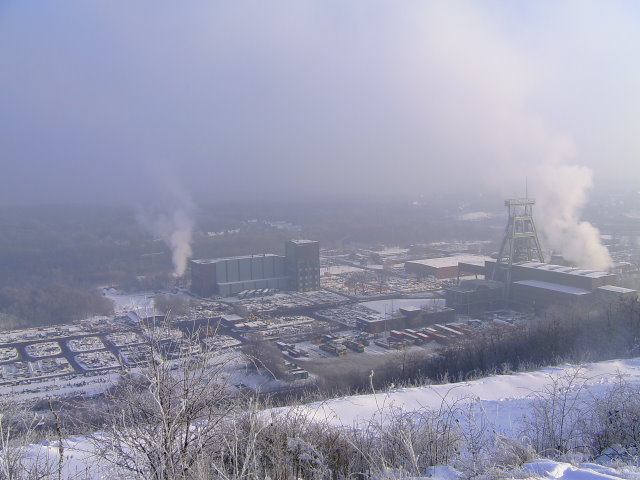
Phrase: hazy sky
x=122 y=100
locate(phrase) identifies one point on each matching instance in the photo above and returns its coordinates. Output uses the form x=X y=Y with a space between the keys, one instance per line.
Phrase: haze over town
x=212 y=211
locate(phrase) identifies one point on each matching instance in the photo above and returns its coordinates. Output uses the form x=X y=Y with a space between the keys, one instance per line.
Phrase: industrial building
x=409 y=317
x=443 y=267
x=303 y=264
x=544 y=272
x=537 y=286
x=473 y=296
x=299 y=270
x=229 y=276
x=521 y=277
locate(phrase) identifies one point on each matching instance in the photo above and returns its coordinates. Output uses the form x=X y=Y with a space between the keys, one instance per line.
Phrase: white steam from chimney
x=179 y=240
x=562 y=196
x=175 y=228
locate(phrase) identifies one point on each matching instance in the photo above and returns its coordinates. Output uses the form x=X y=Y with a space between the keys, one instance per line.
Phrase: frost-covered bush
x=614 y=419
x=553 y=424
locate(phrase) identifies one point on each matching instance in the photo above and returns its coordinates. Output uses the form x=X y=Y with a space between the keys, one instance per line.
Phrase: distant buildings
x=537 y=286
x=298 y=270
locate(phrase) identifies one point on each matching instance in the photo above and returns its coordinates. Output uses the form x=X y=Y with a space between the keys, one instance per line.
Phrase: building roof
x=563 y=269
x=555 y=287
x=443 y=262
x=302 y=242
x=410 y=308
x=614 y=289
x=204 y=261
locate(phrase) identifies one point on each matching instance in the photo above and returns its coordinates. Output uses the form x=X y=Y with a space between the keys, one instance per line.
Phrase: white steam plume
x=492 y=93
x=180 y=241
x=175 y=229
x=564 y=194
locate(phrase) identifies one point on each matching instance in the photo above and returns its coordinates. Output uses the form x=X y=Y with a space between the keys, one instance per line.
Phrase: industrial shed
x=539 y=295
x=472 y=296
x=443 y=267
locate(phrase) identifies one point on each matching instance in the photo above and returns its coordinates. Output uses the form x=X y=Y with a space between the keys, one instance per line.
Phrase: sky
x=125 y=101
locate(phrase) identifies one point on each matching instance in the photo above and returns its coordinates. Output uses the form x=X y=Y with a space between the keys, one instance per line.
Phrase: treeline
x=358 y=221
x=74 y=245
x=52 y=258
x=563 y=335
x=51 y=303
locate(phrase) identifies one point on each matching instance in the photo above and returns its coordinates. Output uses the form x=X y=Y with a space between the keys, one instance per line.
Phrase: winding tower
x=520 y=242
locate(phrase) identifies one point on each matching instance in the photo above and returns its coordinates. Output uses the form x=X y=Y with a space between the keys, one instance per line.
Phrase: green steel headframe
x=520 y=242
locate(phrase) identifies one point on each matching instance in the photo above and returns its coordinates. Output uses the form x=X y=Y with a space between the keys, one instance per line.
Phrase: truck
x=383 y=344
x=334 y=348
x=355 y=346
x=414 y=339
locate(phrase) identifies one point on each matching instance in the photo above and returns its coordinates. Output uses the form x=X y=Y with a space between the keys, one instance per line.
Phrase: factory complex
x=537 y=286
x=520 y=278
x=331 y=304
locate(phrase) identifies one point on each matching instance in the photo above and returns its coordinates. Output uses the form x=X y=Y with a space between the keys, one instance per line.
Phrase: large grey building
x=299 y=270
x=536 y=285
x=229 y=276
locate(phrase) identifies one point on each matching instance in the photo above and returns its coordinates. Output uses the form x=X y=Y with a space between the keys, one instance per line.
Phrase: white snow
x=141 y=302
x=565 y=471
x=503 y=398
x=338 y=269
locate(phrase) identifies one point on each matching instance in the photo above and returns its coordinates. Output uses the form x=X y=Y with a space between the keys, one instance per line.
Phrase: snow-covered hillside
x=503 y=398
x=499 y=403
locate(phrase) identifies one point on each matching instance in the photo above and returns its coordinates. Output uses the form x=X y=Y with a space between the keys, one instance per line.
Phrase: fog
x=120 y=102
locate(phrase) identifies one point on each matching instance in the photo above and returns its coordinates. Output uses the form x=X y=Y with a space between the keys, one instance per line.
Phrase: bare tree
x=164 y=420
x=553 y=425
x=17 y=431
x=174 y=304
x=264 y=354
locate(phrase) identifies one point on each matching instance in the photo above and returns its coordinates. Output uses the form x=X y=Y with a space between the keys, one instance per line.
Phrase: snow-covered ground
x=504 y=399
x=390 y=305
x=338 y=269
x=142 y=302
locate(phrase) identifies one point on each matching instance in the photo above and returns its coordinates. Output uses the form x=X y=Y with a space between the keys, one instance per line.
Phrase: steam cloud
x=175 y=229
x=465 y=93
x=180 y=242
x=564 y=194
